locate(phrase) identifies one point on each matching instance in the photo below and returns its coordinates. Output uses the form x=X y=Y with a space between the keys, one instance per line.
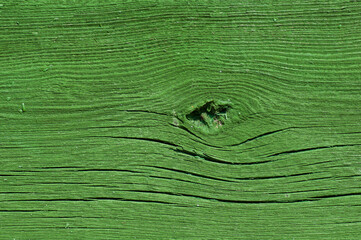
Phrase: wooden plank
x=180 y=119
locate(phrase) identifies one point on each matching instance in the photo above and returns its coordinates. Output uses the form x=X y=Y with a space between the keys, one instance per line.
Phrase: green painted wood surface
x=103 y=134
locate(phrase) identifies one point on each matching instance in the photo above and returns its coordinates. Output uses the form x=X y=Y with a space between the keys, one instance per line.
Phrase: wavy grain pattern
x=95 y=142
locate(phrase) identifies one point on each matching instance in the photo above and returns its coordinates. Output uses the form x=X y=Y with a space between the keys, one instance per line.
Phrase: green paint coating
x=106 y=151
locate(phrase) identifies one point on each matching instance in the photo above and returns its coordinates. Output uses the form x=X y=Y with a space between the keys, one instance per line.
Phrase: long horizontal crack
x=259 y=136
x=311 y=149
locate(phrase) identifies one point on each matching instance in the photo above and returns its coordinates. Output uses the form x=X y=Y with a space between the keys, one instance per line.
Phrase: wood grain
x=99 y=137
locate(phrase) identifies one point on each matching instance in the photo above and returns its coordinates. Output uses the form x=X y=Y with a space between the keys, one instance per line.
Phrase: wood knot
x=211 y=116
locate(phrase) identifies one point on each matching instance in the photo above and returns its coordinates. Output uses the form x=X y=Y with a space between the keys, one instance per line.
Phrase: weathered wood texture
x=103 y=134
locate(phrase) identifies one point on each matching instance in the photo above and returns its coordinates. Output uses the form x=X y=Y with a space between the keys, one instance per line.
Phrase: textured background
x=95 y=142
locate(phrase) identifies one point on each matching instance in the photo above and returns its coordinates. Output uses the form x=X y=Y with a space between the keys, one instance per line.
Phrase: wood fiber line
x=180 y=119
